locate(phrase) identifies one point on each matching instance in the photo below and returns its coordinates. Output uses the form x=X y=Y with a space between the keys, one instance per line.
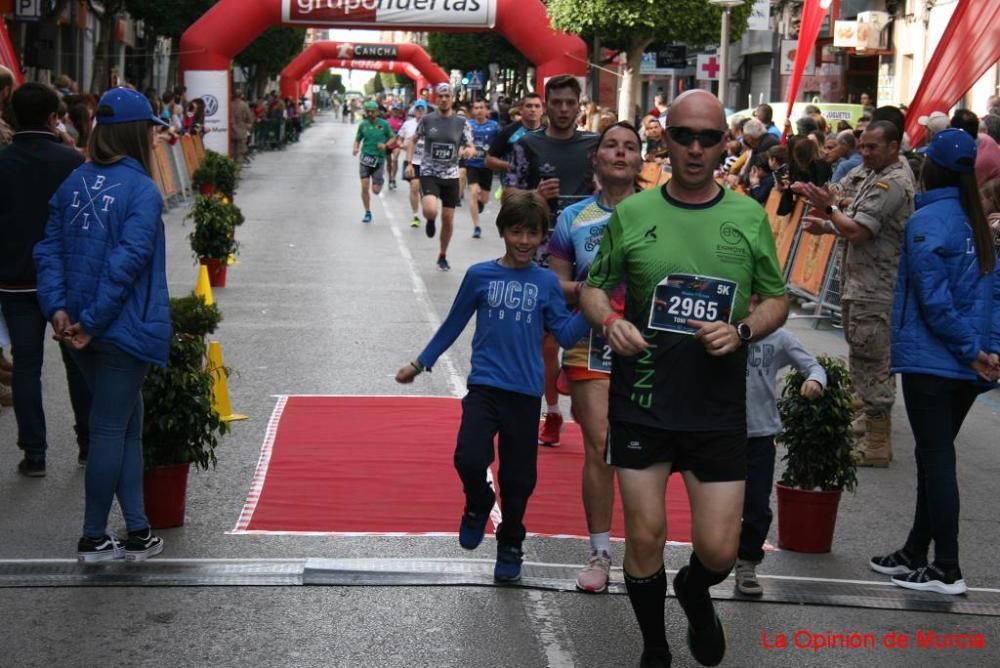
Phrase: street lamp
x=724 y=47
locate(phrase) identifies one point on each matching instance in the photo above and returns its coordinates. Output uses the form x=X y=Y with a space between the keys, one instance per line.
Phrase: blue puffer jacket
x=103 y=258
x=944 y=311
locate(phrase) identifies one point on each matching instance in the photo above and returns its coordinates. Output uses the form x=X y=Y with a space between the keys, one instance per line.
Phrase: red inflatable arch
x=395 y=66
x=320 y=51
x=209 y=45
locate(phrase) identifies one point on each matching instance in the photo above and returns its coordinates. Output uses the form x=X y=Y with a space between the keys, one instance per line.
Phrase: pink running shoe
x=550 y=430
x=594 y=577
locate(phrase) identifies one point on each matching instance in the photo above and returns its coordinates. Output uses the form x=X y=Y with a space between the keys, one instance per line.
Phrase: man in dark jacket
x=31 y=169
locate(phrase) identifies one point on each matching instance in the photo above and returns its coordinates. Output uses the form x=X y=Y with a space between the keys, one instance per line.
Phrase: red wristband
x=610 y=319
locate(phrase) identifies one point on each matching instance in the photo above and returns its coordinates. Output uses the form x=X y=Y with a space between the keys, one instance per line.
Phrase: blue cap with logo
x=953 y=149
x=420 y=104
x=124 y=105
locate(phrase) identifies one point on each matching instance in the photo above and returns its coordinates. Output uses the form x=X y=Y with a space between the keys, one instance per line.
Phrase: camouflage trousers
x=866 y=327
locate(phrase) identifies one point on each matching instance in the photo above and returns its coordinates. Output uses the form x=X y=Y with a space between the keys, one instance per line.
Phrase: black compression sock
x=699 y=577
x=481 y=206
x=694 y=584
x=647 y=598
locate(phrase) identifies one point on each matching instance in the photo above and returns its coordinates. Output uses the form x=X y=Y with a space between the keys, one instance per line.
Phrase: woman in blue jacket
x=945 y=344
x=102 y=283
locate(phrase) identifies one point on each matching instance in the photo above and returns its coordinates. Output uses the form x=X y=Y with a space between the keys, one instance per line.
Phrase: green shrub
x=215 y=221
x=217 y=170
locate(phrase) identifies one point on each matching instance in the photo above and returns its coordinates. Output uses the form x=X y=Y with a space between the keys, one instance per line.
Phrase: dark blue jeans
x=114 y=467
x=27 y=328
x=936 y=408
x=757 y=514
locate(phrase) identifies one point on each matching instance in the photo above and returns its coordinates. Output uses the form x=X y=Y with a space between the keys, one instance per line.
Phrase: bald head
x=697 y=104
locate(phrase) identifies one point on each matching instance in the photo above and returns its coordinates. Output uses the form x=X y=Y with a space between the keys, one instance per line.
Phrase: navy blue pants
x=27 y=327
x=757 y=513
x=486 y=413
x=936 y=408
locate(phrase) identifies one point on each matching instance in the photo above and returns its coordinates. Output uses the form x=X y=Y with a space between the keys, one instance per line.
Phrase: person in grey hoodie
x=764 y=359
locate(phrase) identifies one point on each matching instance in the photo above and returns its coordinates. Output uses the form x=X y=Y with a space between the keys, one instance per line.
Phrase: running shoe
x=31 y=468
x=392 y=185
x=508 y=566
x=897 y=563
x=142 y=546
x=443 y=263
x=706 y=636
x=656 y=657
x=415 y=222
x=477 y=233
x=933 y=578
x=549 y=435
x=105 y=548
x=430 y=228
x=594 y=577
x=746 y=578
x=367 y=218
x=473 y=527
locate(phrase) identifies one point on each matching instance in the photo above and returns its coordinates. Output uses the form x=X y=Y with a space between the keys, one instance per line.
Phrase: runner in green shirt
x=373 y=135
x=690 y=253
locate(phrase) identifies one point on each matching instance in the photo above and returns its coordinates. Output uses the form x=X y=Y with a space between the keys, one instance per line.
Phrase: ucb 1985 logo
x=729 y=233
x=211 y=105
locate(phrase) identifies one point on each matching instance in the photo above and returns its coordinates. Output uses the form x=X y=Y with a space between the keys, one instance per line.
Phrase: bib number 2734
x=683 y=297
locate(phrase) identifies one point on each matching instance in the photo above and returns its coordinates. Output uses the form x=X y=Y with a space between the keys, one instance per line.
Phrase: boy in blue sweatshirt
x=513 y=300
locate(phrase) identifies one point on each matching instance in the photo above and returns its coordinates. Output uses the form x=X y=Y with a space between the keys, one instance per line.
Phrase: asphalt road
x=321 y=304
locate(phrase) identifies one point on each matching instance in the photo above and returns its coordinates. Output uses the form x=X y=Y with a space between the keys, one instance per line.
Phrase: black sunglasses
x=687 y=136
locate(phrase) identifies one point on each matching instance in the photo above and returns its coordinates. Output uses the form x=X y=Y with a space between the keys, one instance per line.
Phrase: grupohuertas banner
x=372 y=13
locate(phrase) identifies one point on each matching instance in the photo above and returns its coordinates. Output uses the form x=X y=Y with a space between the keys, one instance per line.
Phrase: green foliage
x=270 y=52
x=169 y=19
x=374 y=85
x=624 y=22
x=391 y=80
x=215 y=221
x=218 y=170
x=473 y=51
x=333 y=83
x=818 y=434
x=180 y=424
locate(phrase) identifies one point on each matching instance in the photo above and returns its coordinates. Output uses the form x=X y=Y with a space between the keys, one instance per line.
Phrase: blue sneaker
x=473 y=526
x=367 y=218
x=508 y=567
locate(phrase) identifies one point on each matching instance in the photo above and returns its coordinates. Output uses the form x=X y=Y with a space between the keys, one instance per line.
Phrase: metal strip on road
x=456 y=572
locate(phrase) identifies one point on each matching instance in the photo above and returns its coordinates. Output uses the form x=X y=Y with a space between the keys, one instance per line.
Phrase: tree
x=374 y=85
x=271 y=52
x=633 y=25
x=168 y=19
x=333 y=83
x=475 y=51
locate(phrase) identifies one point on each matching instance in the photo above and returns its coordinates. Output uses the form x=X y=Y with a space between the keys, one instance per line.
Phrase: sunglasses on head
x=687 y=136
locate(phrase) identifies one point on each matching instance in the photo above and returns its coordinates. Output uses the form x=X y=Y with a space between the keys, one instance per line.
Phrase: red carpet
x=383 y=465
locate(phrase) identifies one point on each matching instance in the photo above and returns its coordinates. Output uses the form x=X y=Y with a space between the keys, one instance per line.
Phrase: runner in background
x=484 y=132
x=446 y=138
x=587 y=365
x=395 y=121
x=407 y=135
x=556 y=162
x=371 y=139
x=501 y=150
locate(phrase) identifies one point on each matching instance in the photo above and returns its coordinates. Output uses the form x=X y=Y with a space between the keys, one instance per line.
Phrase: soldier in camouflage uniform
x=872 y=225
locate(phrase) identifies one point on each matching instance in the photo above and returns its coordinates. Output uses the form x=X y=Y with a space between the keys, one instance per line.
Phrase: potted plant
x=216 y=174
x=180 y=425
x=819 y=461
x=213 y=238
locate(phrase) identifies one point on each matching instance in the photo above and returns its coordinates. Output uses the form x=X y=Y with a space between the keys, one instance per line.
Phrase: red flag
x=813 y=12
x=969 y=46
x=8 y=56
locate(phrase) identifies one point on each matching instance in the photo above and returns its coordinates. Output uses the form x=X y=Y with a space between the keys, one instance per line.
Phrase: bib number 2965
x=683 y=297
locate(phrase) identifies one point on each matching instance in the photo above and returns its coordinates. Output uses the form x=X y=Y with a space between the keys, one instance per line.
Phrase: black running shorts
x=480 y=175
x=444 y=189
x=713 y=456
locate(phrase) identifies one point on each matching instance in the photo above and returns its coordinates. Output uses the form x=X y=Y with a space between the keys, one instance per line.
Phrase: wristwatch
x=833 y=208
x=744 y=332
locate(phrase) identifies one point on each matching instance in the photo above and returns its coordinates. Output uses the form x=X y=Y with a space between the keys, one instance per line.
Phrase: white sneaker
x=594 y=577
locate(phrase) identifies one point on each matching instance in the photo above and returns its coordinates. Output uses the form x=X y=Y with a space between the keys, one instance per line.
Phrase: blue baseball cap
x=124 y=105
x=420 y=104
x=953 y=149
